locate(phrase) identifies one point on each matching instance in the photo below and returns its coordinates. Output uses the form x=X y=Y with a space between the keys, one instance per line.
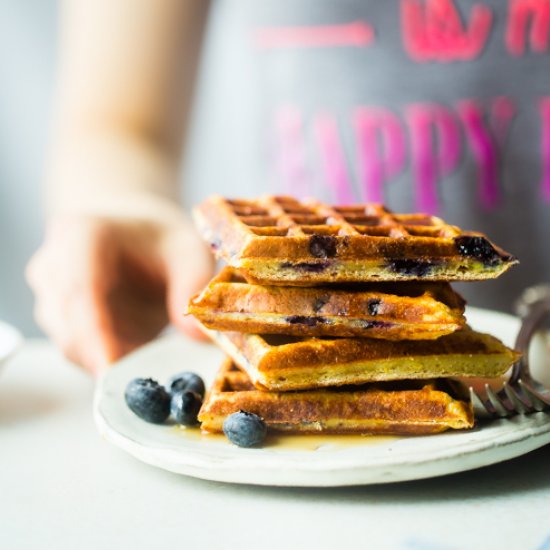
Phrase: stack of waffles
x=342 y=319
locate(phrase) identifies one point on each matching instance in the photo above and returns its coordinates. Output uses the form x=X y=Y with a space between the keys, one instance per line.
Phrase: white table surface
x=63 y=487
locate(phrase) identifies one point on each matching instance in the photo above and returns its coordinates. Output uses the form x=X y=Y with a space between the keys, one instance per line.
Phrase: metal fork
x=521 y=394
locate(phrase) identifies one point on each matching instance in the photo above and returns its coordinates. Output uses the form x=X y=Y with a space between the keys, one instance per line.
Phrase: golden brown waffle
x=280 y=240
x=406 y=408
x=283 y=363
x=402 y=311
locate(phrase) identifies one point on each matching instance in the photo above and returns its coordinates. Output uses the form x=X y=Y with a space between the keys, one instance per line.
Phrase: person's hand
x=105 y=286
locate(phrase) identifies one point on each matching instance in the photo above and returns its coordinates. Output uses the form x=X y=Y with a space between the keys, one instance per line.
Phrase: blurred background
x=28 y=36
x=237 y=93
x=27 y=67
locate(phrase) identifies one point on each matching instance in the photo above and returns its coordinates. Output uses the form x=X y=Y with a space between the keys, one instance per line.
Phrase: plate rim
x=15 y=339
x=521 y=434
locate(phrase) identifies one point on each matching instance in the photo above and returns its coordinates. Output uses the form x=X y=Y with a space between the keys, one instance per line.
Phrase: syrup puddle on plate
x=304 y=442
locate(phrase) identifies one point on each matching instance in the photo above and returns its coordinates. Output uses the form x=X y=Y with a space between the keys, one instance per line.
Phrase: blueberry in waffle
x=283 y=241
x=404 y=311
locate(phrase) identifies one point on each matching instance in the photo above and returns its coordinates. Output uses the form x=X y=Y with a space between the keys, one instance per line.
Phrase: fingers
x=189 y=267
x=70 y=321
x=92 y=280
x=73 y=324
x=67 y=277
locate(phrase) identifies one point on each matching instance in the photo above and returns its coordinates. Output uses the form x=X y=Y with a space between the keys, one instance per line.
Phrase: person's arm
x=119 y=258
x=126 y=76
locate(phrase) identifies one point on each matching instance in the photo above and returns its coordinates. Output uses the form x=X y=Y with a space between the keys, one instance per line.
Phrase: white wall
x=27 y=57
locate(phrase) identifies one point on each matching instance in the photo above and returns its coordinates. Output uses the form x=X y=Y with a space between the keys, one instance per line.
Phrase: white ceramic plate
x=302 y=460
x=10 y=340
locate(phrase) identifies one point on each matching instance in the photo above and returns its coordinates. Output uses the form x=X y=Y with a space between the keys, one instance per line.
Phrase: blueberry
x=185 y=381
x=477 y=247
x=411 y=268
x=320 y=303
x=185 y=406
x=305 y=320
x=148 y=399
x=322 y=246
x=376 y=324
x=308 y=267
x=244 y=429
x=373 y=306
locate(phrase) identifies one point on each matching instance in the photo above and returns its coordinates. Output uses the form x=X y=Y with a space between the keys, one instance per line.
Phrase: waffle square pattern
x=283 y=241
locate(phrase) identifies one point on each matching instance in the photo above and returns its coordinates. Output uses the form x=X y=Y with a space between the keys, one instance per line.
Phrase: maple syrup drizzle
x=303 y=442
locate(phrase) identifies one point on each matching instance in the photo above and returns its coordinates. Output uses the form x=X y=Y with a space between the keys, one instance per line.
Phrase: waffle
x=407 y=408
x=403 y=311
x=282 y=241
x=283 y=363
